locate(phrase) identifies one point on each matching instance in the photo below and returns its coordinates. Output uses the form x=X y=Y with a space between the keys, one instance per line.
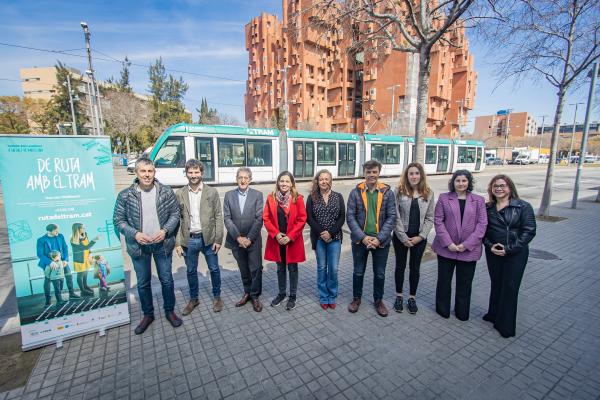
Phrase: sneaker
x=291 y=304
x=398 y=304
x=412 y=305
x=278 y=300
x=332 y=306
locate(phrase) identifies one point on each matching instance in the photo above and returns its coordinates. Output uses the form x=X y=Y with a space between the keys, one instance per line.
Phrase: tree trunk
x=544 y=209
x=422 y=105
x=127 y=144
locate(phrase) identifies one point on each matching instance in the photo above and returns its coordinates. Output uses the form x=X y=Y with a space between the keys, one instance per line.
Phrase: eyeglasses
x=500 y=187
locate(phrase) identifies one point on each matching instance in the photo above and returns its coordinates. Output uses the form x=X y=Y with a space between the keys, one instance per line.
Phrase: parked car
x=544 y=159
x=494 y=161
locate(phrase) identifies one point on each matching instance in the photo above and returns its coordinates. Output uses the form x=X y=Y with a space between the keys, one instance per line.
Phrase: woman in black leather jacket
x=511 y=226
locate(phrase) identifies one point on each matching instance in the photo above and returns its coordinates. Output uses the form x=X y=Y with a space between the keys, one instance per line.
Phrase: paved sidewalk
x=311 y=353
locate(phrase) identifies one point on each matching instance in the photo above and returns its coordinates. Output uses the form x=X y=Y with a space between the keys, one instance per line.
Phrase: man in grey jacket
x=242 y=214
x=147 y=215
x=200 y=231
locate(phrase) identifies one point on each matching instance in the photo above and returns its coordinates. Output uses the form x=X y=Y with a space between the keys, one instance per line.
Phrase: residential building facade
x=325 y=86
x=514 y=124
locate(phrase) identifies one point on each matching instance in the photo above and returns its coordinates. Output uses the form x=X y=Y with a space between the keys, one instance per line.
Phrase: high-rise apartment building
x=325 y=87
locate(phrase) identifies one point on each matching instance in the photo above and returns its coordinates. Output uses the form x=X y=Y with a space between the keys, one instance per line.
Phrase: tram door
x=442 y=161
x=204 y=153
x=346 y=159
x=478 y=159
x=304 y=157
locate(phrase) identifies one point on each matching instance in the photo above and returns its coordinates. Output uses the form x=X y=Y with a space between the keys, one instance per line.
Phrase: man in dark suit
x=242 y=213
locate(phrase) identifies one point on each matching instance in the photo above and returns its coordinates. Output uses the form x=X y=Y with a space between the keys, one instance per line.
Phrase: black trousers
x=249 y=262
x=465 y=270
x=506 y=274
x=416 y=255
x=292 y=268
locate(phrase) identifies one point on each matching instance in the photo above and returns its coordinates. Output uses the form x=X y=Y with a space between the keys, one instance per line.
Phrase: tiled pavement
x=311 y=353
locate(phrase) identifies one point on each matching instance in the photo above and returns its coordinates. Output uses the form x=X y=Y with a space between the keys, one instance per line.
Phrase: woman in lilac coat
x=460 y=224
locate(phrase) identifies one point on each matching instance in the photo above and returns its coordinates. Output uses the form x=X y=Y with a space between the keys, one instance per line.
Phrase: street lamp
x=573 y=133
x=541 y=134
x=96 y=109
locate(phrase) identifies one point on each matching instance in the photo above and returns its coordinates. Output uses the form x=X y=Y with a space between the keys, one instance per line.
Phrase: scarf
x=284 y=201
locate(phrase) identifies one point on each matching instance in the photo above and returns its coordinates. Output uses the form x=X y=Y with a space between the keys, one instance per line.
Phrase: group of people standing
x=155 y=221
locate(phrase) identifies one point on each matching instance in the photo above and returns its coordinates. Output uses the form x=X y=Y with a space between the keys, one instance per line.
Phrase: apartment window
x=430 y=154
x=325 y=153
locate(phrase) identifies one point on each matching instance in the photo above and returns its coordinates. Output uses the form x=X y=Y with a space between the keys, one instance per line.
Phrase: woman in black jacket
x=326 y=214
x=511 y=226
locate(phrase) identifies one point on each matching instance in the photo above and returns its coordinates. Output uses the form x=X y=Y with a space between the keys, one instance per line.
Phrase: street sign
x=502 y=112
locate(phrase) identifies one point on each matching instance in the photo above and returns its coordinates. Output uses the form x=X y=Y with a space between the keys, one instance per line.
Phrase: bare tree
x=555 y=40
x=125 y=114
x=410 y=26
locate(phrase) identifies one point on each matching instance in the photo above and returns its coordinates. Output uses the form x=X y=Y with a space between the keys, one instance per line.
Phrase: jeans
x=143 y=272
x=328 y=257
x=293 y=271
x=68 y=280
x=191 y=253
x=360 y=254
x=416 y=255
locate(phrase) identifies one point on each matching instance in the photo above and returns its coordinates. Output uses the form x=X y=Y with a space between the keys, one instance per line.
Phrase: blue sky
x=205 y=37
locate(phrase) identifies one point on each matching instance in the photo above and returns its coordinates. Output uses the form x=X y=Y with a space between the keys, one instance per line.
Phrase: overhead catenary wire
x=112 y=59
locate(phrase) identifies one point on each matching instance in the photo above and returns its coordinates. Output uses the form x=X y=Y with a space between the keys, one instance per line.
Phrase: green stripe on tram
x=384 y=138
x=322 y=135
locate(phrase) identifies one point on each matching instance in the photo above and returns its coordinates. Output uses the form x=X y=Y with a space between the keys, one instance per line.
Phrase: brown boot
x=256 y=305
x=245 y=298
x=381 y=308
x=217 y=304
x=193 y=303
x=353 y=307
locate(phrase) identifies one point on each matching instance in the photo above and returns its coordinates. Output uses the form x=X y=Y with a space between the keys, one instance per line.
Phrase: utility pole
x=393 y=110
x=541 y=134
x=71 y=101
x=506 y=131
x=586 y=131
x=573 y=133
x=96 y=108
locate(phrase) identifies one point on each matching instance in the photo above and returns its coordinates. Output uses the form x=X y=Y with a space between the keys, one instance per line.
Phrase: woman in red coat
x=285 y=216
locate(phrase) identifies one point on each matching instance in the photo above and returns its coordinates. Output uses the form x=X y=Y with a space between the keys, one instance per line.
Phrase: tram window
x=259 y=153
x=171 y=154
x=430 y=154
x=231 y=153
x=466 y=154
x=386 y=153
x=378 y=152
x=392 y=154
x=325 y=153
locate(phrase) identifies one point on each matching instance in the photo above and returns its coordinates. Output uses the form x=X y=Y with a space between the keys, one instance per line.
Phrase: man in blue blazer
x=242 y=214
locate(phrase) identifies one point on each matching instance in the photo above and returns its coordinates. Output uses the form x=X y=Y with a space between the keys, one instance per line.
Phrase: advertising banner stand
x=66 y=257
